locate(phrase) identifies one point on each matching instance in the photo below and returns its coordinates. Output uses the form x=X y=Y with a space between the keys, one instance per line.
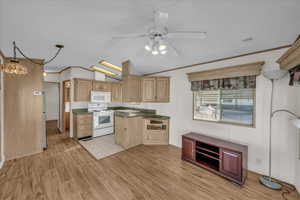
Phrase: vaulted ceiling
x=86 y=29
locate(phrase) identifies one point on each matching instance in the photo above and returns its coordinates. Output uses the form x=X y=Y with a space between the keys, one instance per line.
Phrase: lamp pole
x=267 y=180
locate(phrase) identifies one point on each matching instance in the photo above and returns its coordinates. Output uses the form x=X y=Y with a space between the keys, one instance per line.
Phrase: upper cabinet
x=162 y=89
x=149 y=89
x=291 y=58
x=116 y=92
x=131 y=88
x=101 y=86
x=156 y=89
x=82 y=89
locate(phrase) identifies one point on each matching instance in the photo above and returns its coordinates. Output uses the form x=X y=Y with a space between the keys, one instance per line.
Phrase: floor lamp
x=275 y=75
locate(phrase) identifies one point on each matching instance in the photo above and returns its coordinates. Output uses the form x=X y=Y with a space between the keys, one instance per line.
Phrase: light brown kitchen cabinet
x=149 y=89
x=82 y=89
x=128 y=131
x=83 y=125
x=101 y=86
x=156 y=132
x=156 y=89
x=131 y=88
x=163 y=89
x=116 y=92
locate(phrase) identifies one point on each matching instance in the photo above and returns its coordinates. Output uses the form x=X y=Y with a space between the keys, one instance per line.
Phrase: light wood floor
x=66 y=171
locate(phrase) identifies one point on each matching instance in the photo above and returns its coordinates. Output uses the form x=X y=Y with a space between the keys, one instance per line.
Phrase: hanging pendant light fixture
x=15 y=67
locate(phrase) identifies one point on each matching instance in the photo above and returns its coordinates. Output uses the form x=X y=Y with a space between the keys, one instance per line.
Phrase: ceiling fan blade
x=187 y=34
x=160 y=19
x=172 y=47
x=129 y=36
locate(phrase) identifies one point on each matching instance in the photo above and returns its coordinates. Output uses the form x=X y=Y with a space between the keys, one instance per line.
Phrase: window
x=225 y=105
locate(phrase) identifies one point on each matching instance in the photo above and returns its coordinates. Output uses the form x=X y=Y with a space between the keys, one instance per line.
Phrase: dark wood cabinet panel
x=224 y=158
x=188 y=149
x=231 y=163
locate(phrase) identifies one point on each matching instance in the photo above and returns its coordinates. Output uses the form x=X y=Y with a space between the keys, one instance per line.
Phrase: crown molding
x=218 y=60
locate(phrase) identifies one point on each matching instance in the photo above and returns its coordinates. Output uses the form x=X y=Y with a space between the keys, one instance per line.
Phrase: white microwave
x=100 y=97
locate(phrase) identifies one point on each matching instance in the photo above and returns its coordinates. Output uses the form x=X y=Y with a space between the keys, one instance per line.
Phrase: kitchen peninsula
x=132 y=126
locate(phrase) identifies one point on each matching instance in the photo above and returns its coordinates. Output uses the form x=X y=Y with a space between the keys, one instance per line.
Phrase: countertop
x=128 y=112
x=81 y=111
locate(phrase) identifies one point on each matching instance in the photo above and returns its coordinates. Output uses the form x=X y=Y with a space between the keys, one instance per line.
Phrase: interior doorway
x=51 y=105
x=66 y=106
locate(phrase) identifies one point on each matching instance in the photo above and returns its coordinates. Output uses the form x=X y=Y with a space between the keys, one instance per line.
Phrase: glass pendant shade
x=14 y=67
x=154 y=52
x=147 y=47
x=163 y=52
x=162 y=45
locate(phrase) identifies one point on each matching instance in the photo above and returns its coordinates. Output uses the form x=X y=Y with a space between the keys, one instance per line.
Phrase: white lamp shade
x=296 y=122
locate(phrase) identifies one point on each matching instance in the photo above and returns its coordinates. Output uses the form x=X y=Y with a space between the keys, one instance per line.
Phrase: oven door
x=103 y=119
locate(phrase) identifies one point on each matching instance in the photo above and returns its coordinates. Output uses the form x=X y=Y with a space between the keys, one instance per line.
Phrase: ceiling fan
x=159 y=34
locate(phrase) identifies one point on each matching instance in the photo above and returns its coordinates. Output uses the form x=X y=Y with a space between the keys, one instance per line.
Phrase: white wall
x=297 y=170
x=2 y=158
x=51 y=100
x=284 y=144
x=52 y=78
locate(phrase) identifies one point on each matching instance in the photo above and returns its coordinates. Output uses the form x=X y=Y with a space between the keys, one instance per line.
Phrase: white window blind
x=225 y=105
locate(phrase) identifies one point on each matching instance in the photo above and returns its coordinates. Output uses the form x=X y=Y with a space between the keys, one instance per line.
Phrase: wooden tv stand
x=224 y=158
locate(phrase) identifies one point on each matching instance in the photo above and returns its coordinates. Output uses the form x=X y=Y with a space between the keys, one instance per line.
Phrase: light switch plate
x=37 y=93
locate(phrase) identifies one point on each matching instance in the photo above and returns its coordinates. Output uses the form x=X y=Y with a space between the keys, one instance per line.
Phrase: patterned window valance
x=225 y=83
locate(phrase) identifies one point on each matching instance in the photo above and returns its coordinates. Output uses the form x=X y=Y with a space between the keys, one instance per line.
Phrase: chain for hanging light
x=14 y=66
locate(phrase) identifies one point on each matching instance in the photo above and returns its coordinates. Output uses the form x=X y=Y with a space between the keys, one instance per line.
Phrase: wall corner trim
x=2 y=163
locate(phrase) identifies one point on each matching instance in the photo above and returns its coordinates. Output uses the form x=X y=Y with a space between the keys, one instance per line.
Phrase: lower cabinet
x=156 y=132
x=83 y=125
x=128 y=131
x=133 y=131
x=188 y=149
x=231 y=163
x=224 y=158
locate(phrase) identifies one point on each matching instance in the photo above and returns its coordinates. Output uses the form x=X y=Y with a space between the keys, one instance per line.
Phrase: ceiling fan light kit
x=159 y=34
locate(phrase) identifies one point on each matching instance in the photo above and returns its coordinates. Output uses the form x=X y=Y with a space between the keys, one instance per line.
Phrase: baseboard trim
x=1 y=163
